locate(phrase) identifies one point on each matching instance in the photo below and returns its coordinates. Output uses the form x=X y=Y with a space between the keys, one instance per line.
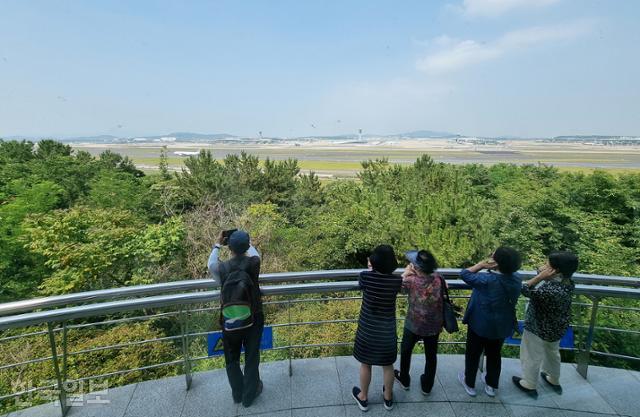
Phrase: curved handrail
x=165 y=287
x=185 y=294
x=23 y=306
x=97 y=309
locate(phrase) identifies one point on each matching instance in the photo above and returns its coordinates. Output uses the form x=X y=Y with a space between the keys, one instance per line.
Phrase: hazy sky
x=303 y=67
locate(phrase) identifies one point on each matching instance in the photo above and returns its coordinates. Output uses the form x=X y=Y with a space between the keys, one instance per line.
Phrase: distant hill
x=179 y=136
x=93 y=139
x=593 y=137
x=417 y=134
x=333 y=137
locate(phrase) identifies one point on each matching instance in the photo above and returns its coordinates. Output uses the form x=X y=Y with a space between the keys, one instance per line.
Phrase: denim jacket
x=491 y=311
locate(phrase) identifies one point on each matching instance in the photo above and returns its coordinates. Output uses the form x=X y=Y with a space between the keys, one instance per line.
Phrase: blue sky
x=478 y=67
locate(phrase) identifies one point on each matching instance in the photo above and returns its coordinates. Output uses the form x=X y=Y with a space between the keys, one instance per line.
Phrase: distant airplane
x=186 y=153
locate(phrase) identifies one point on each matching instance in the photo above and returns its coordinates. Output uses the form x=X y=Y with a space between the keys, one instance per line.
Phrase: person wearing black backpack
x=241 y=315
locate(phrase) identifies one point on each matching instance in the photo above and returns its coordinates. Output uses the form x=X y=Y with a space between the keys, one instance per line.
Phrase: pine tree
x=164 y=164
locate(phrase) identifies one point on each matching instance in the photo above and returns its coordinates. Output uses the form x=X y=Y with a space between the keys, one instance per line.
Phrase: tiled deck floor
x=322 y=387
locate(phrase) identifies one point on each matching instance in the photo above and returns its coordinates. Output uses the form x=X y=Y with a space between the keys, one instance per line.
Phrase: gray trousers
x=538 y=355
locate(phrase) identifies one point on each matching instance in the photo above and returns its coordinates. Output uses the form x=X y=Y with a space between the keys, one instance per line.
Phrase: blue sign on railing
x=566 y=341
x=215 y=348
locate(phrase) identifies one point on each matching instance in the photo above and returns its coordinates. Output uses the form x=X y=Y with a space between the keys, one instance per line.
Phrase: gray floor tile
x=164 y=397
x=45 y=410
x=448 y=368
x=403 y=409
x=618 y=388
x=315 y=383
x=510 y=394
x=118 y=400
x=209 y=396
x=585 y=414
x=277 y=390
x=414 y=394
x=349 y=374
x=527 y=411
x=578 y=394
x=283 y=413
x=425 y=409
x=331 y=411
x=479 y=410
x=326 y=385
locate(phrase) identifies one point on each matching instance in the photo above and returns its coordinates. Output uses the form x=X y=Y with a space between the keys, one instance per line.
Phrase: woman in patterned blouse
x=424 y=317
x=547 y=319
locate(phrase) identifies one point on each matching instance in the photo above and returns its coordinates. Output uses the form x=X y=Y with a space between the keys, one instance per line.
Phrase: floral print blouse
x=424 y=316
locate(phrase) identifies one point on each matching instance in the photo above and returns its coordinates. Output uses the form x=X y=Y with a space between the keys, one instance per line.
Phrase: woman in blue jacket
x=490 y=315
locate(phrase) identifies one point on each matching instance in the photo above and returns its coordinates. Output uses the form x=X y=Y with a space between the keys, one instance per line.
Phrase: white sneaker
x=470 y=391
x=489 y=390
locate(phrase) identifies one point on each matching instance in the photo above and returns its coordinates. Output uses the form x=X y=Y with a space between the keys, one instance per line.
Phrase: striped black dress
x=376 y=338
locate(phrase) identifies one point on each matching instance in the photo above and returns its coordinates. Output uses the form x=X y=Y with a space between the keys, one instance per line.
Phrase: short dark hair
x=508 y=259
x=383 y=259
x=427 y=263
x=564 y=262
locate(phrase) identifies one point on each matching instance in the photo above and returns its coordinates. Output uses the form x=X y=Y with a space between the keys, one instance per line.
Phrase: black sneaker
x=530 y=392
x=404 y=385
x=423 y=385
x=388 y=404
x=247 y=403
x=363 y=405
x=556 y=388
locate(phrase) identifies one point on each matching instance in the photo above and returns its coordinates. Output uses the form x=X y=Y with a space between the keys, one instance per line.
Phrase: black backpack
x=237 y=297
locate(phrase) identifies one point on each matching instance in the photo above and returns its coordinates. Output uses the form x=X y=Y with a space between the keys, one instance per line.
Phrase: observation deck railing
x=60 y=314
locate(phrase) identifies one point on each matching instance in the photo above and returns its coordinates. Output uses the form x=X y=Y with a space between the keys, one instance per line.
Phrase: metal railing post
x=62 y=395
x=185 y=347
x=64 y=352
x=289 y=337
x=584 y=355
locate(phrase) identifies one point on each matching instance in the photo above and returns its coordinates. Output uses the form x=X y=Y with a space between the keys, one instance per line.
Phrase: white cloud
x=457 y=56
x=452 y=55
x=493 y=8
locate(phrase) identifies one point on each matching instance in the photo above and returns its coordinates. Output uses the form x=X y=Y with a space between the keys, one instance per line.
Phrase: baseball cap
x=423 y=259
x=239 y=241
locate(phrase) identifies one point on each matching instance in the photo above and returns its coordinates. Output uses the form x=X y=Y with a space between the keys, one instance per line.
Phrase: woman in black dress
x=376 y=338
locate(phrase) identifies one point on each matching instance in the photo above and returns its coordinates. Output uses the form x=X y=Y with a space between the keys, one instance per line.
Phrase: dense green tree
x=50 y=148
x=238 y=180
x=88 y=249
x=115 y=161
x=20 y=270
x=122 y=190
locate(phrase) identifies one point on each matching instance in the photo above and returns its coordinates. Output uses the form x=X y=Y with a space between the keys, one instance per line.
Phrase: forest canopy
x=73 y=222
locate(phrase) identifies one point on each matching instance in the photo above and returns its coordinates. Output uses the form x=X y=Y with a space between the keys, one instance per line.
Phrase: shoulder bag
x=449 y=315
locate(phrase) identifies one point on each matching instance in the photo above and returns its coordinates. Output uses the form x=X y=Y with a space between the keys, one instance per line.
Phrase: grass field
x=345 y=160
